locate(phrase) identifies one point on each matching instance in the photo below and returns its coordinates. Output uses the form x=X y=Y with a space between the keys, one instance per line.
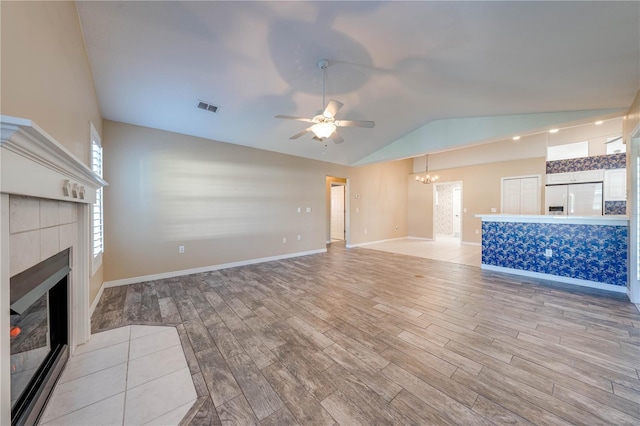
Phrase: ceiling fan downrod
x=323 y=64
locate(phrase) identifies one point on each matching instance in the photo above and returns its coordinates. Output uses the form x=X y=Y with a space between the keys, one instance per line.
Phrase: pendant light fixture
x=426 y=178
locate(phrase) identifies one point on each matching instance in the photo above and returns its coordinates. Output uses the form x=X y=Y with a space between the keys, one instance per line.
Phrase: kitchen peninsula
x=584 y=250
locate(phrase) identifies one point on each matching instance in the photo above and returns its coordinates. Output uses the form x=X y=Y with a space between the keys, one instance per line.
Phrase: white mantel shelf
x=611 y=220
x=34 y=164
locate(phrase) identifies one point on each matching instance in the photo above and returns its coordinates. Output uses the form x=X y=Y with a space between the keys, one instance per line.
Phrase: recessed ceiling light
x=516 y=138
x=599 y=122
x=554 y=130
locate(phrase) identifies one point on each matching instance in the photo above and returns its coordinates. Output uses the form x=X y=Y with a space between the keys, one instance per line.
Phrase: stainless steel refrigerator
x=578 y=199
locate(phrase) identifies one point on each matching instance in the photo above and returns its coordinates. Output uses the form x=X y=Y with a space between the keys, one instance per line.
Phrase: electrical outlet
x=308 y=209
x=548 y=253
x=299 y=237
x=284 y=240
x=181 y=249
x=494 y=210
x=299 y=209
x=477 y=231
x=365 y=230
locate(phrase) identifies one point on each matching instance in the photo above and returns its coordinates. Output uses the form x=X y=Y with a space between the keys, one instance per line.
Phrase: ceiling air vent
x=208 y=107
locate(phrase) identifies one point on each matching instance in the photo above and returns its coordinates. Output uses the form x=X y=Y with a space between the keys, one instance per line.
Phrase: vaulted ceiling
x=432 y=75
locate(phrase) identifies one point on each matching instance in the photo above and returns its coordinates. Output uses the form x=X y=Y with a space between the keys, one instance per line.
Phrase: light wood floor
x=358 y=336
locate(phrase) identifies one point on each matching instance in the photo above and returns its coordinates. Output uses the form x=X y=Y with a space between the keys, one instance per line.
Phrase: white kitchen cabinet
x=583 y=176
x=559 y=178
x=615 y=185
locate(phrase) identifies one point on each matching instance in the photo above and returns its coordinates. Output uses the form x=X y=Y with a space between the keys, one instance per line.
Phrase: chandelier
x=426 y=178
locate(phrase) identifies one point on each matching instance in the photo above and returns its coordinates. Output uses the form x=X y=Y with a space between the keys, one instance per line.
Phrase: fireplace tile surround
x=38 y=229
x=39 y=220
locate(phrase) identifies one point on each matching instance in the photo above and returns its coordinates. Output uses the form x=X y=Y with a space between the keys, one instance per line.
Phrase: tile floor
x=446 y=249
x=130 y=375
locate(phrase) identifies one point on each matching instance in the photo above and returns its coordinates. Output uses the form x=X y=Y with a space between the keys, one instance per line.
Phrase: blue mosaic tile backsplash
x=588 y=252
x=615 y=207
x=610 y=161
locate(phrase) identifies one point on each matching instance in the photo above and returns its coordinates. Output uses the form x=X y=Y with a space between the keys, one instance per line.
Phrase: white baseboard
x=420 y=238
x=96 y=300
x=557 y=278
x=469 y=243
x=374 y=242
x=172 y=274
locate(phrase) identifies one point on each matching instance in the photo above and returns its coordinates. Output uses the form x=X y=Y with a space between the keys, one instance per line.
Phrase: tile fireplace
x=46 y=195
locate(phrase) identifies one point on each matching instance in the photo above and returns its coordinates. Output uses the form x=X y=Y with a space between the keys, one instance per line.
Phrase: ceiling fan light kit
x=325 y=125
x=323 y=130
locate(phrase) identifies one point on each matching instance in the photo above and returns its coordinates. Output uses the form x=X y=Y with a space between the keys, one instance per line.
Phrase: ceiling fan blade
x=302 y=133
x=332 y=108
x=290 y=117
x=354 y=123
x=337 y=138
x=315 y=138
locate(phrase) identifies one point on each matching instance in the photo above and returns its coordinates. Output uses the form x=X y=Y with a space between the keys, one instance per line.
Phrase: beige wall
x=227 y=203
x=531 y=146
x=378 y=201
x=632 y=119
x=46 y=75
x=631 y=124
x=480 y=192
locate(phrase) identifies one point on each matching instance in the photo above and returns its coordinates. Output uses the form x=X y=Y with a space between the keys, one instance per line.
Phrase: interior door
x=511 y=196
x=457 y=203
x=521 y=195
x=529 y=196
x=337 y=212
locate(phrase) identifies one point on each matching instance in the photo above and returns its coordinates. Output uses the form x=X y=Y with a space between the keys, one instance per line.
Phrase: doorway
x=447 y=206
x=337 y=212
x=337 y=208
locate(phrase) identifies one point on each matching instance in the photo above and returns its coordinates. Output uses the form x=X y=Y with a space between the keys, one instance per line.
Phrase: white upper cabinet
x=615 y=185
x=575 y=177
x=558 y=178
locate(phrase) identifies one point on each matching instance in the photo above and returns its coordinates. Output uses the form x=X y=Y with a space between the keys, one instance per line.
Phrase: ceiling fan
x=325 y=124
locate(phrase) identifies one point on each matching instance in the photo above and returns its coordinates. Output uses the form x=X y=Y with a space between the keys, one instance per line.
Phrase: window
x=569 y=150
x=97 y=231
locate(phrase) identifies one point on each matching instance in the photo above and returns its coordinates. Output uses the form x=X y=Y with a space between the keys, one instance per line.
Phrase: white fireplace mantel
x=33 y=164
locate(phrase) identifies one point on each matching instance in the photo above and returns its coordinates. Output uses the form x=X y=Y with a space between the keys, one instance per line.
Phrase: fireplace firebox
x=38 y=335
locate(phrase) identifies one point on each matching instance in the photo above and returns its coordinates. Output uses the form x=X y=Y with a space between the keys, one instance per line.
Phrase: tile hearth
x=130 y=375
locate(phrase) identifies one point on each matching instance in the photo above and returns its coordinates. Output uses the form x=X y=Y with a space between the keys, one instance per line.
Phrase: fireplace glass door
x=29 y=345
x=38 y=335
